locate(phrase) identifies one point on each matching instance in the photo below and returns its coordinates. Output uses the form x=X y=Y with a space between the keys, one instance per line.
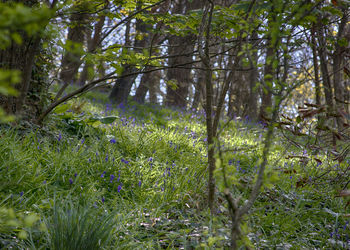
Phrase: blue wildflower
x=140 y=183
x=70 y=180
x=111 y=178
x=95 y=205
x=103 y=174
x=113 y=141
x=125 y=161
x=119 y=188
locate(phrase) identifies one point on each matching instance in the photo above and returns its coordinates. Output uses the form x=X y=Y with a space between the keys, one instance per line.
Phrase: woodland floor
x=138 y=175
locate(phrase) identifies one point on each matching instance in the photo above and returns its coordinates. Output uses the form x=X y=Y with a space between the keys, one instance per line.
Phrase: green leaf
x=108 y=119
x=298 y=119
x=62 y=108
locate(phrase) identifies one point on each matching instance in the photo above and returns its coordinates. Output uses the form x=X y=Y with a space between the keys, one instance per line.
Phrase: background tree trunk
x=266 y=96
x=77 y=31
x=93 y=43
x=122 y=86
x=180 y=49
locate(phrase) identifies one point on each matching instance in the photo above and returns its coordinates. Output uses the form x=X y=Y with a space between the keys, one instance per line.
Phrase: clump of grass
x=79 y=227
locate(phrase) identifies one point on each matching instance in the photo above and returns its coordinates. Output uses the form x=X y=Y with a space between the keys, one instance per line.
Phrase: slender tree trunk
x=322 y=52
x=252 y=98
x=71 y=60
x=338 y=66
x=199 y=94
x=266 y=96
x=316 y=67
x=92 y=46
x=143 y=88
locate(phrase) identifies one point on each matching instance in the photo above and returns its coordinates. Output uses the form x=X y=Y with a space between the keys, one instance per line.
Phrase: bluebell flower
x=125 y=161
x=103 y=199
x=75 y=175
x=111 y=178
x=70 y=180
x=21 y=193
x=113 y=141
x=119 y=188
x=59 y=137
x=140 y=183
x=103 y=174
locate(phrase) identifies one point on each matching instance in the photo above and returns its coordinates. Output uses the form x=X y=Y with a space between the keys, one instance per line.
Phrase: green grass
x=141 y=182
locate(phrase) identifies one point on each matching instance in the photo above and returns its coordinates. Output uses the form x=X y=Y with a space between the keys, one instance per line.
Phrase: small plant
x=79 y=227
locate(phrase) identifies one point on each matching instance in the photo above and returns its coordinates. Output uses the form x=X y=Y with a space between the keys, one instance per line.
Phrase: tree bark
x=266 y=96
x=338 y=66
x=251 y=110
x=122 y=87
x=71 y=60
x=316 y=67
x=93 y=43
x=177 y=90
x=22 y=57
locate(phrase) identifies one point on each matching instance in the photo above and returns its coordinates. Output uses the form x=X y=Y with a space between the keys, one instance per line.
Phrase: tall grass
x=75 y=227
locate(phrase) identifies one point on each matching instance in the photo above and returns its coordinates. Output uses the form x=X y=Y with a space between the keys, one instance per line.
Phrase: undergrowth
x=138 y=179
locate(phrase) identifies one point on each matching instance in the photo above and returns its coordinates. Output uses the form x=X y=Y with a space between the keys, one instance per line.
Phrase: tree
x=122 y=86
x=181 y=51
x=20 y=54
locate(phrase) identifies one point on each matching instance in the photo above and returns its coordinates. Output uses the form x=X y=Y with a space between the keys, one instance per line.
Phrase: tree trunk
x=251 y=110
x=22 y=57
x=122 y=87
x=316 y=67
x=322 y=52
x=143 y=88
x=338 y=66
x=266 y=96
x=71 y=60
x=199 y=94
x=180 y=50
x=93 y=42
